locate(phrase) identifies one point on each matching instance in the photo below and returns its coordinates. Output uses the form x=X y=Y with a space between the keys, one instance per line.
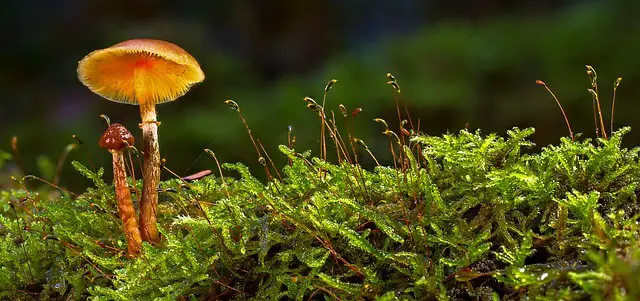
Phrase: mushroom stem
x=150 y=173
x=125 y=205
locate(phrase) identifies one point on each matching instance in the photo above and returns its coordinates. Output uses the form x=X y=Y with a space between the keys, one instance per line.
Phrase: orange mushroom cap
x=140 y=71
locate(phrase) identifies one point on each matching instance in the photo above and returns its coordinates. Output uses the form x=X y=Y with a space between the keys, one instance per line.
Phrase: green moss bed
x=463 y=216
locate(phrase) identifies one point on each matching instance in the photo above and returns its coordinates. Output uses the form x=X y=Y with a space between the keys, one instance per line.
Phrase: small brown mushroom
x=142 y=72
x=114 y=139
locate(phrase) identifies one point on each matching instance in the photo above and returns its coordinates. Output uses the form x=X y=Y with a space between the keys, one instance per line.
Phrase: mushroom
x=146 y=73
x=114 y=139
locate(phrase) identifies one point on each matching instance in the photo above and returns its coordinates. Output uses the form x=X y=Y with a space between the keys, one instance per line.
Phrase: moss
x=462 y=216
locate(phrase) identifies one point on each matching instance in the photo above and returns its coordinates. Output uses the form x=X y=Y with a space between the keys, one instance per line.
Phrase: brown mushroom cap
x=140 y=71
x=115 y=136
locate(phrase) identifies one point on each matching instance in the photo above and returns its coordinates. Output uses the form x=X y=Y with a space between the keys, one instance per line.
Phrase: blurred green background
x=459 y=63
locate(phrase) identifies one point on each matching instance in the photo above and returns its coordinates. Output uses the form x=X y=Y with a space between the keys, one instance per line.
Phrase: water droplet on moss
x=544 y=276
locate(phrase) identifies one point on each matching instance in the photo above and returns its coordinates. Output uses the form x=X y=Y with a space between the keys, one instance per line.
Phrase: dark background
x=458 y=62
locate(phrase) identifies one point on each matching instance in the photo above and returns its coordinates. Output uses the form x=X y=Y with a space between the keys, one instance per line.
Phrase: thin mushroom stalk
x=142 y=72
x=150 y=173
x=125 y=205
x=115 y=139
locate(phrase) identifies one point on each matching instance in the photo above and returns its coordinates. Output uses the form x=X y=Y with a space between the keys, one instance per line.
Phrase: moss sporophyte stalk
x=462 y=215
